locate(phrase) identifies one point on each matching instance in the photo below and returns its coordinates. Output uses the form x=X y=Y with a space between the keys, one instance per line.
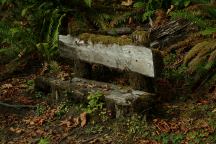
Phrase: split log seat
x=121 y=101
x=141 y=64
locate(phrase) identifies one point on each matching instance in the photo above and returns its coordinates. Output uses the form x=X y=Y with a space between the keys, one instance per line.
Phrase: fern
x=208 y=31
x=49 y=47
x=201 y=1
x=122 y=18
x=191 y=16
x=101 y=20
x=16 y=38
x=139 y=4
x=88 y=2
x=147 y=14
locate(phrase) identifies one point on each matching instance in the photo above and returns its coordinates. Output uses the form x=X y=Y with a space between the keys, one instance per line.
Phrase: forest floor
x=182 y=121
x=178 y=117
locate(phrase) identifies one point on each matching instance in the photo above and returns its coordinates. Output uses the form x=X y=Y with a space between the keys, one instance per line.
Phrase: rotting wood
x=121 y=101
x=170 y=32
x=127 y=57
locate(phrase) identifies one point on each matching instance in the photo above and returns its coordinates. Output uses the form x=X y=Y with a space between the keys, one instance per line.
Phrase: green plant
x=31 y=85
x=191 y=16
x=95 y=102
x=38 y=94
x=167 y=138
x=104 y=115
x=15 y=40
x=137 y=125
x=49 y=48
x=62 y=109
x=40 y=109
x=94 y=129
x=43 y=141
x=54 y=67
x=181 y=3
x=208 y=31
x=88 y=2
x=149 y=8
x=178 y=73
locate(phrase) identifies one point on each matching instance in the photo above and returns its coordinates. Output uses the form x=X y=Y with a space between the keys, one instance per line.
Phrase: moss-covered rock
x=141 y=37
x=104 y=39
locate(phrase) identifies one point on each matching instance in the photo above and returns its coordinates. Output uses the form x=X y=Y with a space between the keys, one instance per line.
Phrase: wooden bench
x=139 y=62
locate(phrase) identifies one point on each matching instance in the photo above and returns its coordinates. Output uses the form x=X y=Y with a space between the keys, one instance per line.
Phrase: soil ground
x=182 y=121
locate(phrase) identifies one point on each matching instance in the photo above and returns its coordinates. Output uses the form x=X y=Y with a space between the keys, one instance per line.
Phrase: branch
x=16 y=106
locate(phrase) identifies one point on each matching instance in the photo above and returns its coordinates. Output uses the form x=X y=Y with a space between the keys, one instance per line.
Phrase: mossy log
x=121 y=101
x=201 y=61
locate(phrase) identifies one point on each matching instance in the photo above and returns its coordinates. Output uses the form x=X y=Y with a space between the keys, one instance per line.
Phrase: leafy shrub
x=95 y=102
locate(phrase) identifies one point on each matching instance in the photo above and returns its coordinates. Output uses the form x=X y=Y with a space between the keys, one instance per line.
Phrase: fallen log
x=121 y=101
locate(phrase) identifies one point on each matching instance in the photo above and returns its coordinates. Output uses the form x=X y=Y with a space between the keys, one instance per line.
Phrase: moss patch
x=141 y=37
x=104 y=39
x=202 y=54
x=201 y=61
x=76 y=27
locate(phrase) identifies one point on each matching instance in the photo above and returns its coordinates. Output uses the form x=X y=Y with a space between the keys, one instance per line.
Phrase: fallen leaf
x=127 y=3
x=203 y=102
x=6 y=86
x=70 y=122
x=39 y=121
x=76 y=121
x=39 y=132
x=83 y=119
x=16 y=130
x=65 y=123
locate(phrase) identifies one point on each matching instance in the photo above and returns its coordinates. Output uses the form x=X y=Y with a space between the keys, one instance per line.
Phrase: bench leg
x=82 y=69
x=140 y=82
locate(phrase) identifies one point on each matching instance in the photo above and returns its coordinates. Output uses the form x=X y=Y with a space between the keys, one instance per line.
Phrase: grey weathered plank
x=121 y=101
x=134 y=58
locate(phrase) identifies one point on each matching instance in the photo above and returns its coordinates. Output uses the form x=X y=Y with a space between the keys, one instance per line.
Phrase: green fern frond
x=101 y=20
x=88 y=2
x=139 y=4
x=49 y=47
x=122 y=18
x=147 y=14
x=190 y=16
x=201 y=1
x=208 y=31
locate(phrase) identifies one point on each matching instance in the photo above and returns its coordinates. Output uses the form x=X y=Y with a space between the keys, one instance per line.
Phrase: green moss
x=201 y=55
x=201 y=61
x=141 y=37
x=76 y=27
x=104 y=39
